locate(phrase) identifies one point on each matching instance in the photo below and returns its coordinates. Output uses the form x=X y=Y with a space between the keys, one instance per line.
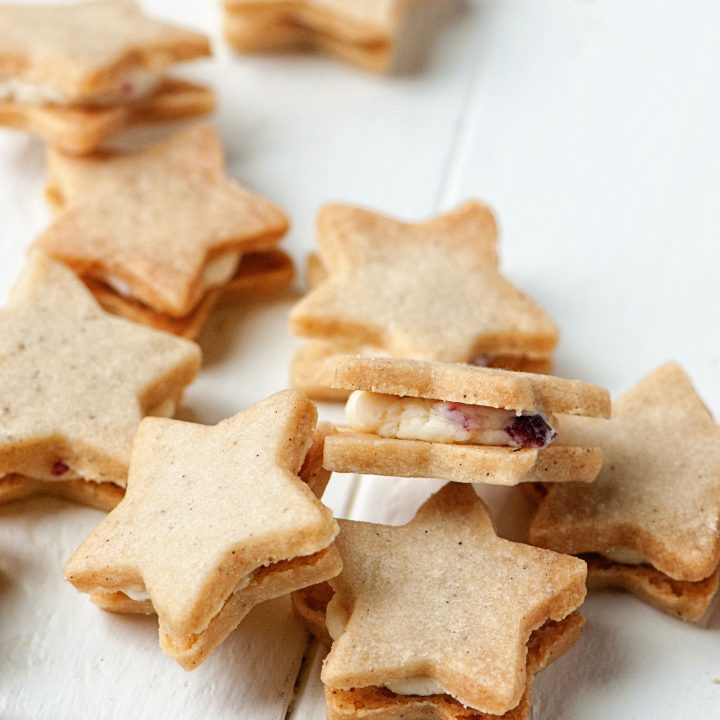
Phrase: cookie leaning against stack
x=431 y=291
x=418 y=418
x=158 y=235
x=77 y=74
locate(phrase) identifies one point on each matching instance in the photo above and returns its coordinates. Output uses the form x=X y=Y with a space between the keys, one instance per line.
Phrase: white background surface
x=591 y=126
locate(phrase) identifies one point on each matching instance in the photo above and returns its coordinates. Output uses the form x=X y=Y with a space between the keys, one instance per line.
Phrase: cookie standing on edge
x=360 y=31
x=650 y=523
x=74 y=384
x=158 y=235
x=215 y=520
x=418 y=418
x=430 y=290
x=76 y=74
x=440 y=617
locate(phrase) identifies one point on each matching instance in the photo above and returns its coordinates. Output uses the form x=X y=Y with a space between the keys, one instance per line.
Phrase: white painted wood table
x=591 y=126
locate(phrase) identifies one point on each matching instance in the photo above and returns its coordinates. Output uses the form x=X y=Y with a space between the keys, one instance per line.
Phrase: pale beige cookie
x=75 y=384
x=656 y=502
x=163 y=226
x=75 y=74
x=307 y=374
x=370 y=445
x=430 y=290
x=362 y=32
x=259 y=272
x=352 y=452
x=444 y=602
x=214 y=521
x=546 y=644
x=520 y=392
x=82 y=130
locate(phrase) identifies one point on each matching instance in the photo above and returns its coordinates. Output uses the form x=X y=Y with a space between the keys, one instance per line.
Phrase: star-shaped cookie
x=429 y=290
x=74 y=74
x=74 y=384
x=651 y=520
x=152 y=223
x=445 y=600
x=360 y=31
x=214 y=521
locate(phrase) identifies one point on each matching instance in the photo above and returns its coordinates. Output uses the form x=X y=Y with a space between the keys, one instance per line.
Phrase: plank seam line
x=462 y=135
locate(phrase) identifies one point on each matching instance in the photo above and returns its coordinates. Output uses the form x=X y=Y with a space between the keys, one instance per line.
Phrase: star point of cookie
x=362 y=32
x=442 y=603
x=74 y=74
x=75 y=384
x=164 y=226
x=215 y=520
x=430 y=290
x=651 y=520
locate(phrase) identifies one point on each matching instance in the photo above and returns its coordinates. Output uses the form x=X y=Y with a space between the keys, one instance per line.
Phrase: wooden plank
x=590 y=128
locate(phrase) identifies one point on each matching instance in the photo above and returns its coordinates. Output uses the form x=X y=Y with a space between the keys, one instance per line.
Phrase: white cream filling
x=134 y=85
x=336 y=618
x=626 y=556
x=140 y=594
x=411 y=418
x=216 y=272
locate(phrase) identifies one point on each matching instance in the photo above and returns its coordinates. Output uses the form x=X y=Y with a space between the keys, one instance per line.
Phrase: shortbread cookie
x=545 y=645
x=437 y=614
x=417 y=418
x=305 y=371
x=362 y=32
x=75 y=74
x=650 y=523
x=74 y=384
x=429 y=290
x=258 y=272
x=161 y=229
x=215 y=520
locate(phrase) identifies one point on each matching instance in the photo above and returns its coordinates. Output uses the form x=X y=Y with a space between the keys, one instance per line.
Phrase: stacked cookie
x=429 y=290
x=77 y=74
x=362 y=32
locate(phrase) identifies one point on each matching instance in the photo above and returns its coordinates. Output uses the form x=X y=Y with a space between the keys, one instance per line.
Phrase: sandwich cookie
x=650 y=523
x=417 y=418
x=441 y=618
x=158 y=235
x=215 y=520
x=431 y=291
x=362 y=32
x=75 y=383
x=76 y=74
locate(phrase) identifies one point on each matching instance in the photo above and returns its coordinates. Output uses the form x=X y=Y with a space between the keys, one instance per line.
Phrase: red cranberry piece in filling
x=530 y=431
x=59 y=468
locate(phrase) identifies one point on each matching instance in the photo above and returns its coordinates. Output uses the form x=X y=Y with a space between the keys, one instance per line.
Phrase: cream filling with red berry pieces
x=409 y=418
x=60 y=470
x=336 y=618
x=217 y=272
x=134 y=85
